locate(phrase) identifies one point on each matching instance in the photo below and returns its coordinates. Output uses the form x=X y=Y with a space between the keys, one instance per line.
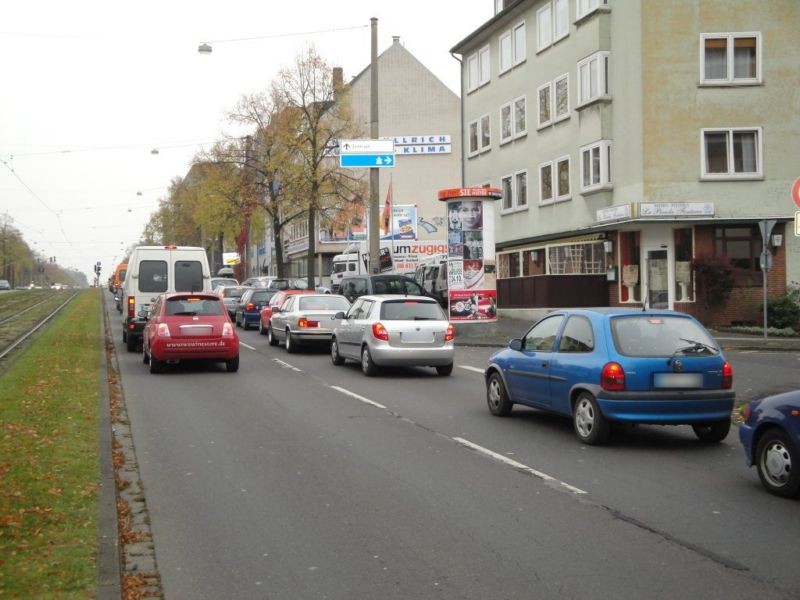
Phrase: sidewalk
x=497 y=334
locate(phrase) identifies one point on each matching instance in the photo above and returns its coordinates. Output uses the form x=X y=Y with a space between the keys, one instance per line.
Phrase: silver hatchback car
x=394 y=331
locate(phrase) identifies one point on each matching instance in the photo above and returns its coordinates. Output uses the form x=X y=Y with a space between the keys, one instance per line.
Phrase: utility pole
x=374 y=177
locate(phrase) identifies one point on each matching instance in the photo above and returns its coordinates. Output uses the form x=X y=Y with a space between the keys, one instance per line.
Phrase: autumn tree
x=318 y=114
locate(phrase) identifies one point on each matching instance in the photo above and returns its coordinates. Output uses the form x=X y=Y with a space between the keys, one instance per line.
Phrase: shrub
x=714 y=279
x=784 y=311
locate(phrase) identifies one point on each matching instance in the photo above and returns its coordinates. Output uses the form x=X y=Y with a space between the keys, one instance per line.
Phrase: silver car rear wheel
x=367 y=366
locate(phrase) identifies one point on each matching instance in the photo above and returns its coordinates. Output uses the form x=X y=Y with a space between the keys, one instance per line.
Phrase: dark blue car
x=770 y=435
x=248 y=307
x=610 y=365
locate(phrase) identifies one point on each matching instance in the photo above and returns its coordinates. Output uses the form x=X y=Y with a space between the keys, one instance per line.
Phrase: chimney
x=395 y=39
x=338 y=82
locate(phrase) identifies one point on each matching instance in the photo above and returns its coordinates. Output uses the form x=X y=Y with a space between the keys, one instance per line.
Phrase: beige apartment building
x=422 y=115
x=636 y=141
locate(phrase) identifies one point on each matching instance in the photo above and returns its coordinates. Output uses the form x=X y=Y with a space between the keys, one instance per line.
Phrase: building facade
x=422 y=115
x=635 y=142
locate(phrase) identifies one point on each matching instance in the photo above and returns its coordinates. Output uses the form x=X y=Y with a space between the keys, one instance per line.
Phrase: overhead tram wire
x=205 y=47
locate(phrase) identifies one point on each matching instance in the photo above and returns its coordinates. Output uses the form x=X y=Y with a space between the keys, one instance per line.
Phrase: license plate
x=416 y=337
x=196 y=330
x=678 y=380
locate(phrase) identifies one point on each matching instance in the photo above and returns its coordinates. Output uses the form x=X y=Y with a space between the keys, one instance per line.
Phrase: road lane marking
x=468 y=368
x=357 y=397
x=517 y=465
x=286 y=365
x=246 y=346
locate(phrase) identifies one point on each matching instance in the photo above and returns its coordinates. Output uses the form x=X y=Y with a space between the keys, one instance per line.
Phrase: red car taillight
x=379 y=332
x=612 y=377
x=727 y=376
x=163 y=330
x=250 y=306
x=302 y=322
x=227 y=330
x=131 y=306
x=450 y=334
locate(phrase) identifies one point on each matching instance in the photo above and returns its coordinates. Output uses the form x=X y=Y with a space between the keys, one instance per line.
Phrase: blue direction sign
x=366 y=161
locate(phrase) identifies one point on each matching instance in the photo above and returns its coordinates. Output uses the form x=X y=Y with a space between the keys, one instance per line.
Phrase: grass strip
x=49 y=467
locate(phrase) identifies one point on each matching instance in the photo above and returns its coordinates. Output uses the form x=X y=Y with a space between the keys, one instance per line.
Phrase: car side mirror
x=515 y=344
x=339 y=316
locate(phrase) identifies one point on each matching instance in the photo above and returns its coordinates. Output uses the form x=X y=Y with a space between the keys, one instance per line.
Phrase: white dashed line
x=357 y=397
x=517 y=465
x=468 y=368
x=246 y=346
x=286 y=365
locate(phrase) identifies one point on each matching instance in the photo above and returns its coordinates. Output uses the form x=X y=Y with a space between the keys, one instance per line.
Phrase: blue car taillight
x=612 y=377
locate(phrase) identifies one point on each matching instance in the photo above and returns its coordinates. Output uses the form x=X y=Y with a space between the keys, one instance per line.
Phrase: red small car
x=276 y=300
x=189 y=326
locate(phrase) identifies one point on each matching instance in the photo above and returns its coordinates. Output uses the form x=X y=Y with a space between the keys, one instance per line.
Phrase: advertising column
x=471 y=268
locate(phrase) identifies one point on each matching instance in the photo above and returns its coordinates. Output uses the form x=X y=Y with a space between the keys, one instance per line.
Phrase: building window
x=593 y=78
x=741 y=246
x=731 y=153
x=505 y=51
x=486 y=133
x=684 y=282
x=521 y=188
x=506 y=125
x=584 y=8
x=478 y=69
x=552 y=23
x=730 y=58
x=520 y=116
x=473 y=138
x=561 y=93
x=546 y=183
x=543 y=95
x=588 y=258
x=596 y=166
x=562 y=178
x=507 y=187
x=519 y=43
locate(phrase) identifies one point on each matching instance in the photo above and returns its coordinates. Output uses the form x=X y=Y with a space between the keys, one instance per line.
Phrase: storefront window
x=741 y=246
x=684 y=283
x=533 y=262
x=577 y=259
x=630 y=290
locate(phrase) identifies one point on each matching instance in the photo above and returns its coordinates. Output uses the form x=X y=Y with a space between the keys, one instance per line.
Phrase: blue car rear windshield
x=661 y=335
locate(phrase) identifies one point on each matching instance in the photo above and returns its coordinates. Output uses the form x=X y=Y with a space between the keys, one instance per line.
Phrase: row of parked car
x=599 y=367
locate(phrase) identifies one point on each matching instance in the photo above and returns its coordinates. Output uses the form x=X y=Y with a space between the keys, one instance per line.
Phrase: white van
x=431 y=275
x=154 y=270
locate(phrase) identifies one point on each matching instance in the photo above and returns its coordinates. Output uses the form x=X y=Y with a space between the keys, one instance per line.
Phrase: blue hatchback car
x=248 y=307
x=770 y=435
x=605 y=365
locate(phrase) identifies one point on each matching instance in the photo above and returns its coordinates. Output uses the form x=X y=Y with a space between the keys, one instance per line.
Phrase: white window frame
x=542 y=200
x=519 y=132
x=476 y=150
x=731 y=174
x=510 y=207
x=488 y=146
x=601 y=68
x=559 y=196
x=481 y=61
x=605 y=180
x=548 y=87
x=544 y=25
x=564 y=4
x=503 y=138
x=503 y=67
x=584 y=8
x=556 y=117
x=517 y=204
x=730 y=78
x=519 y=54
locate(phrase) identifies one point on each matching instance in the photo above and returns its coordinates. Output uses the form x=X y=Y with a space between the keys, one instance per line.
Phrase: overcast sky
x=90 y=88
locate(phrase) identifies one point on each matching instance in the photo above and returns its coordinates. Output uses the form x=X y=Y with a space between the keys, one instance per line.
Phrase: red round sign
x=796 y=192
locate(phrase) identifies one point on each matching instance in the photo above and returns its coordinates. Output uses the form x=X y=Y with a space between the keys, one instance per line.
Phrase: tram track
x=21 y=325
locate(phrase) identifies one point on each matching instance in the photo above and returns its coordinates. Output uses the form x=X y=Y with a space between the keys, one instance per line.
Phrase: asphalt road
x=297 y=479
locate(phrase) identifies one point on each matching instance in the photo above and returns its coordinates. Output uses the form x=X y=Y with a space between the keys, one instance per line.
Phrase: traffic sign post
x=366 y=161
